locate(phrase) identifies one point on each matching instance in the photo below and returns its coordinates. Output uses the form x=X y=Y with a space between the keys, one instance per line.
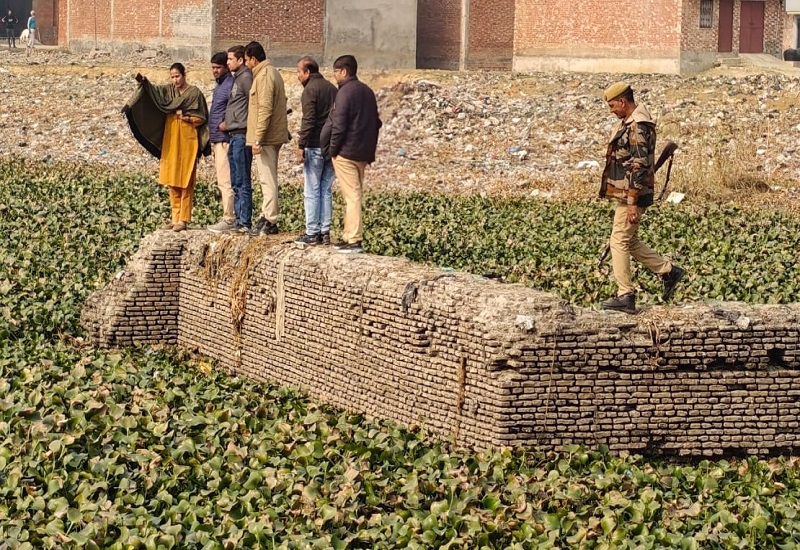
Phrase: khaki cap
x=616 y=90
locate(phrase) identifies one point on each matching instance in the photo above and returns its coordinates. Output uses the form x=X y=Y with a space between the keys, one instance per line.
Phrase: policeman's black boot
x=671 y=280
x=625 y=303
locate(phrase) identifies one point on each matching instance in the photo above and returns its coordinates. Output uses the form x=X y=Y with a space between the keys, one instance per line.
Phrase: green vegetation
x=155 y=449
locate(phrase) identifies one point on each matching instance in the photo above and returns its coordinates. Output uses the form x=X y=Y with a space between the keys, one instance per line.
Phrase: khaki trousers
x=223 y=168
x=624 y=244
x=180 y=202
x=350 y=175
x=267 y=168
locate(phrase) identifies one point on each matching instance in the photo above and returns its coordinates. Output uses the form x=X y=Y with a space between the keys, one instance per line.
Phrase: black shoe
x=340 y=244
x=350 y=248
x=241 y=230
x=671 y=280
x=270 y=229
x=309 y=239
x=326 y=238
x=626 y=303
x=255 y=231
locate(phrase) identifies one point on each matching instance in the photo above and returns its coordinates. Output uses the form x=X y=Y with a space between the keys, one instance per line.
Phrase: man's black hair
x=309 y=64
x=347 y=62
x=254 y=49
x=219 y=58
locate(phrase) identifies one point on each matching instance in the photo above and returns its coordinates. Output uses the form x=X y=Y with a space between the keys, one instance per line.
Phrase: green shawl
x=147 y=114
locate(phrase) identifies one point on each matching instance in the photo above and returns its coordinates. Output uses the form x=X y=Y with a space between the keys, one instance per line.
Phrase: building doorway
x=751 y=30
x=725 y=38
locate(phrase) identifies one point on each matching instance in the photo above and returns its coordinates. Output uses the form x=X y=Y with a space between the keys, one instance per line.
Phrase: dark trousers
x=12 y=38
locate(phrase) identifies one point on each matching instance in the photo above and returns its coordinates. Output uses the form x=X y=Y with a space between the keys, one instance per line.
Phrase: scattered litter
x=675 y=198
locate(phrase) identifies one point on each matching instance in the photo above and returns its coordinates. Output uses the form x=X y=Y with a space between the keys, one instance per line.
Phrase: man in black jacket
x=317 y=100
x=10 y=23
x=350 y=138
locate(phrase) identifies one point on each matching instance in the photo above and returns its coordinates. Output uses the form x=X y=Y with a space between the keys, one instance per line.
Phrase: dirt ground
x=534 y=135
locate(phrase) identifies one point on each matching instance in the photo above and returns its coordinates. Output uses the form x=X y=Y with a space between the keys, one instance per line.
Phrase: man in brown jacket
x=267 y=131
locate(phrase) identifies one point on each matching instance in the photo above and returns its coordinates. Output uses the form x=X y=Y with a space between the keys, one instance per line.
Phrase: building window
x=706 y=13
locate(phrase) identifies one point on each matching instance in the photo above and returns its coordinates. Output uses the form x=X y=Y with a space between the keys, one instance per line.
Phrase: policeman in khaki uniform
x=629 y=179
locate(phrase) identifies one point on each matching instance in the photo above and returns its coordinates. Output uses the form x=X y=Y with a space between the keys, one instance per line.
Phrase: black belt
x=238 y=132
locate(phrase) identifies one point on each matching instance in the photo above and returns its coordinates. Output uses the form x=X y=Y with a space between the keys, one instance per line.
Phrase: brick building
x=669 y=36
x=672 y=36
x=465 y=34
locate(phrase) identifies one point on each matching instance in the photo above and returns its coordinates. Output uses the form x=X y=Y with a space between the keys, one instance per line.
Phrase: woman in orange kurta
x=179 y=151
x=171 y=122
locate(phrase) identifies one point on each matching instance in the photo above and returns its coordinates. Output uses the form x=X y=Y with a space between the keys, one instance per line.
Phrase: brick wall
x=693 y=38
x=438 y=34
x=485 y=363
x=776 y=28
x=46 y=20
x=288 y=29
x=179 y=27
x=491 y=34
x=586 y=36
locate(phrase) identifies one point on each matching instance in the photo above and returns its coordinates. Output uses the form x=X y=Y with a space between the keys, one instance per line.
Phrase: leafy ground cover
x=154 y=449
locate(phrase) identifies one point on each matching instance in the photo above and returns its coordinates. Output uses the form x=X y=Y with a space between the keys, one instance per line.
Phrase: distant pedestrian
x=171 y=121
x=31 y=28
x=240 y=155
x=10 y=23
x=267 y=131
x=350 y=138
x=629 y=179
x=220 y=140
x=317 y=100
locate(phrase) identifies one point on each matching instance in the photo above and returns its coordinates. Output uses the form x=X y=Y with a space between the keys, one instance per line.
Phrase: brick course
x=484 y=363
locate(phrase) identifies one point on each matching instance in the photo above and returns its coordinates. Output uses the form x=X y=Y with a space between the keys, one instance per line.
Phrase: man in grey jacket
x=240 y=155
x=317 y=100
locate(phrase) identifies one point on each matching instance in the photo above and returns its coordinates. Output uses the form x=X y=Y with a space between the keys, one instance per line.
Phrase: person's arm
x=309 y=102
x=265 y=107
x=340 y=120
x=640 y=139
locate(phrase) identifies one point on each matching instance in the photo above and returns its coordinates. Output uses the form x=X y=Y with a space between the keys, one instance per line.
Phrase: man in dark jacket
x=10 y=23
x=317 y=100
x=220 y=140
x=350 y=138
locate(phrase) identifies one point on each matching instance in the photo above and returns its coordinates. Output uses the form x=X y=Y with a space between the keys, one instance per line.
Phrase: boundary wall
x=477 y=361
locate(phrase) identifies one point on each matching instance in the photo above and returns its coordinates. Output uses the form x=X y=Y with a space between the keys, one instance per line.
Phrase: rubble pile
x=492 y=133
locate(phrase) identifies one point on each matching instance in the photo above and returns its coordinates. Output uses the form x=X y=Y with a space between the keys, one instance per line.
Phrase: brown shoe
x=180 y=226
x=169 y=225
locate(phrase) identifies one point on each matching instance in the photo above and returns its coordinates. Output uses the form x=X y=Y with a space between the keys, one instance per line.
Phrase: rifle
x=667 y=154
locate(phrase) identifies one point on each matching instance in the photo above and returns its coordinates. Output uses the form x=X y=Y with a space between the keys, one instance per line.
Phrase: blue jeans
x=318 y=175
x=240 y=157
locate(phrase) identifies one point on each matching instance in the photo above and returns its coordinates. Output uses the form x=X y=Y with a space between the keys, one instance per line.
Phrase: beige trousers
x=350 y=175
x=267 y=168
x=624 y=244
x=223 y=168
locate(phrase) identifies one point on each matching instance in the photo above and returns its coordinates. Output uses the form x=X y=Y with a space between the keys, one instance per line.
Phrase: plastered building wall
x=381 y=34
x=477 y=361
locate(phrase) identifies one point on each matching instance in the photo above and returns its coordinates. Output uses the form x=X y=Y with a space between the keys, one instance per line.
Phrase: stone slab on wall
x=480 y=362
x=381 y=34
